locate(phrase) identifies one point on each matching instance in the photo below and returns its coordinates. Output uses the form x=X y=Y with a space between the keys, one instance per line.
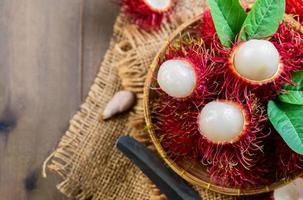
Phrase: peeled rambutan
x=256 y=62
x=231 y=117
x=147 y=14
x=263 y=66
x=183 y=71
x=258 y=168
x=233 y=128
x=178 y=77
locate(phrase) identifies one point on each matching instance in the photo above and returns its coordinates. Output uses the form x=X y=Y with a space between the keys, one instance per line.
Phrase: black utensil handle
x=173 y=186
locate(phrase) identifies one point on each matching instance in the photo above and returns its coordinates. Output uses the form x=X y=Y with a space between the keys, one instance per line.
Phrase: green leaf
x=297 y=78
x=292 y=97
x=228 y=17
x=263 y=20
x=288 y=121
x=294 y=92
x=234 y=14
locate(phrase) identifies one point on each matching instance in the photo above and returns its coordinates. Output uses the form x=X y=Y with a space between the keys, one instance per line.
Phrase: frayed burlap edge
x=86 y=157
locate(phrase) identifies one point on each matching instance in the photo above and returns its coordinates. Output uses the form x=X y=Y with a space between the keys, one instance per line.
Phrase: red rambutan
x=295 y=7
x=237 y=130
x=263 y=66
x=229 y=173
x=175 y=126
x=182 y=73
x=288 y=162
x=208 y=31
x=147 y=14
x=178 y=77
x=256 y=62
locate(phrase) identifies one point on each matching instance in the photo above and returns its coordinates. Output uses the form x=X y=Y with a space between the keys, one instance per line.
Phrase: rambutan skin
x=142 y=15
x=295 y=7
x=208 y=31
x=288 y=162
x=229 y=173
x=177 y=138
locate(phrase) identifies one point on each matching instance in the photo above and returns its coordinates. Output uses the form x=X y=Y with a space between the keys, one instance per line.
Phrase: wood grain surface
x=50 y=53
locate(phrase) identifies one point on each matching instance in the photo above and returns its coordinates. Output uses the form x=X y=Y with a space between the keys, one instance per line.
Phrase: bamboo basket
x=192 y=171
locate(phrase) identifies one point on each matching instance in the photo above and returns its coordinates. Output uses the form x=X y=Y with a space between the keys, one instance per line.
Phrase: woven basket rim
x=174 y=166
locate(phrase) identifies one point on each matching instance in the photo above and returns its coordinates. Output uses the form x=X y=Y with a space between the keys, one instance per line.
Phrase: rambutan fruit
x=230 y=117
x=245 y=160
x=290 y=46
x=183 y=71
x=261 y=66
x=256 y=62
x=232 y=128
x=147 y=14
x=177 y=77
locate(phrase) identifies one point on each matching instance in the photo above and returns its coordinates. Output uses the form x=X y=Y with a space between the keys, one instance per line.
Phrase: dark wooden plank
x=98 y=19
x=40 y=78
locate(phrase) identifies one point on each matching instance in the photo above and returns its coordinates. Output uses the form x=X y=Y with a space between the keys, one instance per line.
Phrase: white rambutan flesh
x=158 y=5
x=177 y=78
x=222 y=122
x=257 y=60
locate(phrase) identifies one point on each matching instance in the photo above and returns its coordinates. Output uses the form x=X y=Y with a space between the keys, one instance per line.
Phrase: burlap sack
x=86 y=157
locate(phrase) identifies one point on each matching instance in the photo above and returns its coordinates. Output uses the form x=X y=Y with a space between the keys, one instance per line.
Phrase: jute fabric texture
x=86 y=158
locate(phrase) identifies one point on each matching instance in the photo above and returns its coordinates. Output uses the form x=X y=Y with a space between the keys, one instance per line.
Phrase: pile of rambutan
x=210 y=103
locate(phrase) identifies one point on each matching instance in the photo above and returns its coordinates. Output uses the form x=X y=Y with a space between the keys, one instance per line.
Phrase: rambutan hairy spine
x=288 y=162
x=295 y=7
x=208 y=31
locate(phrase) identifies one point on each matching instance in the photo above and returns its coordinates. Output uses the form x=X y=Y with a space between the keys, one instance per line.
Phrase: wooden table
x=50 y=53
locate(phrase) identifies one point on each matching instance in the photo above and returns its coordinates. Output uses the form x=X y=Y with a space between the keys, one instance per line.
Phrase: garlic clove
x=292 y=191
x=120 y=102
x=221 y=121
x=158 y=5
x=257 y=60
x=177 y=78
